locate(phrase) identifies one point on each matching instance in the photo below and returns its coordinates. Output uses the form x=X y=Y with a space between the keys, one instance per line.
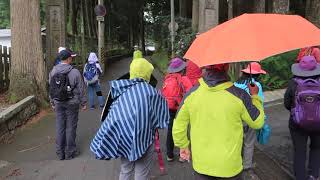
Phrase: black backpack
x=60 y=88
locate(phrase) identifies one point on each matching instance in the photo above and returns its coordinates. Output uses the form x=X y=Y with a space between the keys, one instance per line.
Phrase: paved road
x=280 y=145
x=31 y=154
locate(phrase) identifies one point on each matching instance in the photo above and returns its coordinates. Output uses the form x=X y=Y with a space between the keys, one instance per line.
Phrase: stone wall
x=17 y=115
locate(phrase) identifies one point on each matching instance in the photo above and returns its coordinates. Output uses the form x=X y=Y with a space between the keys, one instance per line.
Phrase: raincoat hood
x=61 y=68
x=118 y=87
x=129 y=128
x=137 y=54
x=141 y=68
x=93 y=58
x=212 y=78
x=218 y=87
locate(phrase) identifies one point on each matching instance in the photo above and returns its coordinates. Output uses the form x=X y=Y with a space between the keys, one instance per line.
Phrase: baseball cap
x=65 y=54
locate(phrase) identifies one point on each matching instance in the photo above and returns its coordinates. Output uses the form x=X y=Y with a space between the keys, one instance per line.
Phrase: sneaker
x=73 y=155
x=92 y=108
x=62 y=157
x=169 y=159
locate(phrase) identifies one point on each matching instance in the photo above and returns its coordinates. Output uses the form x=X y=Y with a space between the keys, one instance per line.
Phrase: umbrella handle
x=251 y=82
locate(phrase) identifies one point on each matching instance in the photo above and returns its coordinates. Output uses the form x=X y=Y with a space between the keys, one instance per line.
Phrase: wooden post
x=195 y=15
x=56 y=29
x=101 y=39
x=208 y=14
x=313 y=12
x=281 y=6
x=259 y=6
x=1 y=71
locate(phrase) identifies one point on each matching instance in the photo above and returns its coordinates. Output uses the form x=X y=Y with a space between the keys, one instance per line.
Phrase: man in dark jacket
x=307 y=68
x=67 y=111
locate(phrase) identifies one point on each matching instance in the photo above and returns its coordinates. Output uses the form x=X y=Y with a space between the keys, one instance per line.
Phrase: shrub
x=279 y=70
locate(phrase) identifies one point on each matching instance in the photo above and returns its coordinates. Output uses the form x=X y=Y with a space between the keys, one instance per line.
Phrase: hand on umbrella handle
x=253 y=88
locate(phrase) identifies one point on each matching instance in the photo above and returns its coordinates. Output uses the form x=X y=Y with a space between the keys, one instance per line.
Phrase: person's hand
x=253 y=88
x=84 y=107
x=185 y=154
x=53 y=106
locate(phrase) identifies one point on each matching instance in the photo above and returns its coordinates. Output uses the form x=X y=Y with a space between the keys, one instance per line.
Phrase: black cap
x=65 y=54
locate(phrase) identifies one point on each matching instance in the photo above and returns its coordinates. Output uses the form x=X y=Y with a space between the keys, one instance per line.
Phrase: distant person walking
x=91 y=73
x=67 y=94
x=302 y=100
x=175 y=86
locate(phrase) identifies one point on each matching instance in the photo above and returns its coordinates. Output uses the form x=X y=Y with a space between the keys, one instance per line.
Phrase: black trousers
x=170 y=144
x=300 y=141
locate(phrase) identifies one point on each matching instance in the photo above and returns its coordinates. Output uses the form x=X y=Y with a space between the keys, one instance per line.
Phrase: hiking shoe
x=73 y=155
x=169 y=159
x=62 y=157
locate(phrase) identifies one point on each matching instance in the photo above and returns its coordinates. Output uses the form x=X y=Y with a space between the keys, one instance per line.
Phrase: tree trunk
x=195 y=15
x=259 y=6
x=313 y=11
x=281 y=6
x=85 y=18
x=28 y=72
x=183 y=8
x=143 y=45
x=88 y=19
x=230 y=9
x=208 y=14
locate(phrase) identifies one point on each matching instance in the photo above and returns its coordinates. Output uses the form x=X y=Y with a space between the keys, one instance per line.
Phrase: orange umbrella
x=252 y=37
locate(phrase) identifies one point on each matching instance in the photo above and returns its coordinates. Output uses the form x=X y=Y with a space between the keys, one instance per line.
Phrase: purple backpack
x=306 y=112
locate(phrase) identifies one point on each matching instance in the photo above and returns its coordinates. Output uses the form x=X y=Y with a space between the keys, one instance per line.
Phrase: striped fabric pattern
x=129 y=129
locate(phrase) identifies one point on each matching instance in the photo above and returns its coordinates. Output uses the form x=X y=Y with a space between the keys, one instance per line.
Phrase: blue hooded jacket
x=129 y=129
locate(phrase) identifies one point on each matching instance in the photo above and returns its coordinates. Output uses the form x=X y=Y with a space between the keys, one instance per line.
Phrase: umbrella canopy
x=252 y=37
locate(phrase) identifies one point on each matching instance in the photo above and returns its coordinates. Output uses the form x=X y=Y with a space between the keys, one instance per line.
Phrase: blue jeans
x=92 y=89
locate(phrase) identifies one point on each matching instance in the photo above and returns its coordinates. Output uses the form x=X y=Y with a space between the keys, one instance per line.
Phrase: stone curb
x=14 y=109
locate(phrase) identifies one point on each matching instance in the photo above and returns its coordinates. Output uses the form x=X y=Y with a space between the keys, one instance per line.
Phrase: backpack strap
x=181 y=87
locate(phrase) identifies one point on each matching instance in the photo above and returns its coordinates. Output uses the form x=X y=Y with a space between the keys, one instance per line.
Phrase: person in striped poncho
x=129 y=129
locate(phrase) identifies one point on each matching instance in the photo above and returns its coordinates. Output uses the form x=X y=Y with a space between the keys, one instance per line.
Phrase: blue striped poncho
x=129 y=129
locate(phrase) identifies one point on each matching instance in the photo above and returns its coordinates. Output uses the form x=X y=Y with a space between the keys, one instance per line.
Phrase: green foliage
x=4 y=14
x=185 y=37
x=161 y=60
x=115 y=52
x=279 y=70
x=161 y=34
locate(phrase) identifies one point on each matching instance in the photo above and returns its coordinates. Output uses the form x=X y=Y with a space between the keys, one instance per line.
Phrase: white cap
x=61 y=49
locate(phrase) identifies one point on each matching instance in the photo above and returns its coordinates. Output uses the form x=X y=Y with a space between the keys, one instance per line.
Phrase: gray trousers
x=249 y=139
x=139 y=168
x=66 y=128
